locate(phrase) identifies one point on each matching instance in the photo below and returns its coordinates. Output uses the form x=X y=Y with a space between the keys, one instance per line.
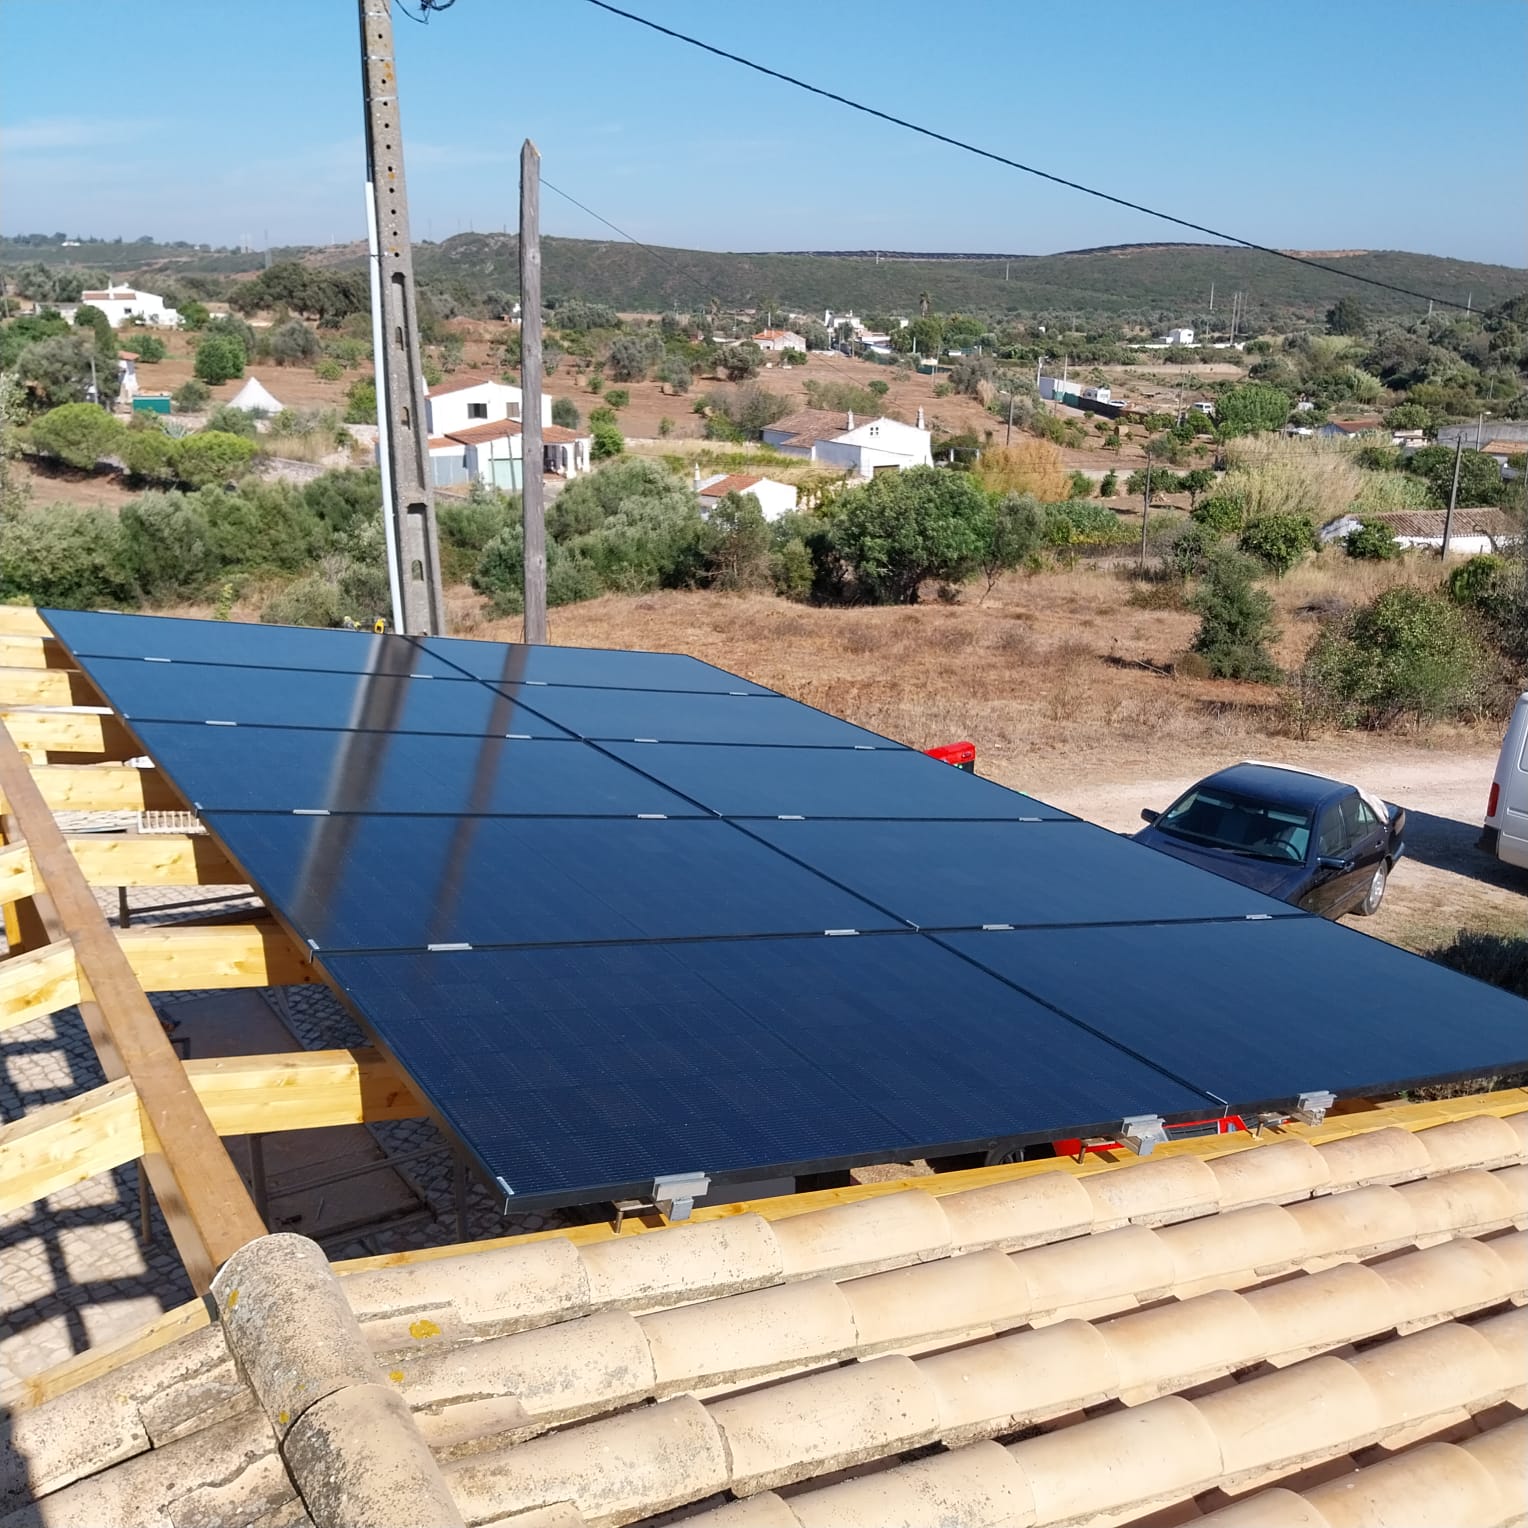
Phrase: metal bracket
x=1311 y=1108
x=1143 y=1133
x=676 y=1193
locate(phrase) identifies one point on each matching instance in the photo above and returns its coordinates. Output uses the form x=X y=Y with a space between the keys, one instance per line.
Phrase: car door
x=1368 y=841
x=1333 y=888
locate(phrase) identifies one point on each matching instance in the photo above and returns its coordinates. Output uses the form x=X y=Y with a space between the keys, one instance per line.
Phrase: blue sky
x=1317 y=124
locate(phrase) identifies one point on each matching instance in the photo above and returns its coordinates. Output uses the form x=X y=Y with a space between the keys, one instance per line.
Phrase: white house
x=863 y=448
x=1473 y=530
x=123 y=305
x=775 y=499
x=463 y=402
x=1178 y=337
x=493 y=454
x=779 y=339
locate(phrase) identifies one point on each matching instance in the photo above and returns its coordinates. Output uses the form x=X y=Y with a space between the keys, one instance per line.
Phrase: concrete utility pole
x=1453 y=496
x=532 y=512
x=408 y=499
x=1145 y=513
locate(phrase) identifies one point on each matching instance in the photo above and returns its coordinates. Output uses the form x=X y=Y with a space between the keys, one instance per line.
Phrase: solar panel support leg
x=459 y=1193
x=1311 y=1108
x=1143 y=1133
x=676 y=1194
x=259 y=1188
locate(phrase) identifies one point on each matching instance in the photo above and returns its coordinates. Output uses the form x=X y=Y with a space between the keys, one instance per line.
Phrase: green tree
x=1278 y=541
x=190 y=397
x=1015 y=534
x=167 y=546
x=361 y=402
x=64 y=556
x=292 y=343
x=1408 y=654
x=1194 y=483
x=1373 y=541
x=1250 y=408
x=194 y=314
x=565 y=413
x=1480 y=479
x=632 y=355
x=1409 y=416
x=78 y=434
x=21 y=332
x=59 y=370
x=88 y=316
x=1347 y=316
x=674 y=374
x=1108 y=484
x=608 y=440
x=149 y=454
x=231 y=421
x=210 y=456
x=149 y=348
x=219 y=358
x=1189 y=552
x=735 y=544
x=904 y=528
x=617 y=397
x=1219 y=514
x=739 y=362
x=1235 y=620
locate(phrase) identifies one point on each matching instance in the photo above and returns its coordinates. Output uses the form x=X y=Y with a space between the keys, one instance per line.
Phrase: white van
x=1506 y=831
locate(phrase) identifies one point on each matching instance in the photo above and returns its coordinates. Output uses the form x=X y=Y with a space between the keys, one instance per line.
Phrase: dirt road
x=1445 y=882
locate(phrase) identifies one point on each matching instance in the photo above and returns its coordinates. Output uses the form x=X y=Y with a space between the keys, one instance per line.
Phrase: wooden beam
x=151 y=859
x=65 y=1143
x=46 y=687
x=41 y=733
x=205 y=1204
x=22 y=621
x=105 y=788
x=34 y=653
x=178 y=958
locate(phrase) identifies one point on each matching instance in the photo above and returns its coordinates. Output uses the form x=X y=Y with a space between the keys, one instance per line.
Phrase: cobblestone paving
x=73 y=1271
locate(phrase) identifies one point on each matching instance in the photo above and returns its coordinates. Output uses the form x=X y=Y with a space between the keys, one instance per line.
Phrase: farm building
x=123 y=305
x=779 y=339
x=775 y=499
x=492 y=454
x=862 y=448
x=459 y=403
x=1473 y=530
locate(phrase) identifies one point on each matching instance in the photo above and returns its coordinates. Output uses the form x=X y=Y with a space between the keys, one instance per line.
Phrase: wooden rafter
x=34 y=652
x=205 y=1204
x=169 y=859
x=105 y=788
x=80 y=734
x=66 y=1143
x=46 y=687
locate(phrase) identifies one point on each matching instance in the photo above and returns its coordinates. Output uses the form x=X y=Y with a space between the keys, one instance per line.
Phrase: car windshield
x=1219 y=820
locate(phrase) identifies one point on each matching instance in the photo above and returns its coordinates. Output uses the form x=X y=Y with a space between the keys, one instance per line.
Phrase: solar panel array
x=624 y=915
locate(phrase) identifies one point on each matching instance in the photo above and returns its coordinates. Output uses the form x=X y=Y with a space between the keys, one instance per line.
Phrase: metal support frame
x=1311 y=1108
x=1143 y=1133
x=402 y=416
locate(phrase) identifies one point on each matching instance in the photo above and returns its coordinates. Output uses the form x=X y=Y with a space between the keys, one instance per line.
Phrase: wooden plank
x=184 y=959
x=151 y=859
x=46 y=687
x=65 y=1143
x=41 y=733
x=37 y=983
x=18 y=876
x=105 y=788
x=33 y=653
x=22 y=621
x=205 y=1204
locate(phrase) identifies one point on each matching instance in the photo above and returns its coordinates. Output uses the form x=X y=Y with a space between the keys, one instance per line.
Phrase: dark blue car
x=1307 y=840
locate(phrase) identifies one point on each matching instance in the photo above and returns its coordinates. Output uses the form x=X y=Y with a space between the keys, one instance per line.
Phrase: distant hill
x=1153 y=282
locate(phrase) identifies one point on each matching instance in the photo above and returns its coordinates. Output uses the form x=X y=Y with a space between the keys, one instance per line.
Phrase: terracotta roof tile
x=1496 y=523
x=493 y=429
x=463 y=384
x=735 y=482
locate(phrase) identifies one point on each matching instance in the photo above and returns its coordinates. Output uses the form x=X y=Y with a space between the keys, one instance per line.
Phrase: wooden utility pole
x=532 y=511
x=402 y=431
x=1008 y=439
x=1145 y=513
x=1453 y=496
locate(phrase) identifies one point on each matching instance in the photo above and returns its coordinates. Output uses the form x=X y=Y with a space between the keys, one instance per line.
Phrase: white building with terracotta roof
x=460 y=403
x=861 y=447
x=779 y=339
x=774 y=498
x=493 y=453
x=123 y=305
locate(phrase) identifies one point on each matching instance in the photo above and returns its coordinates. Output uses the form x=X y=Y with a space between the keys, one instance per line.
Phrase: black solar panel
x=602 y=960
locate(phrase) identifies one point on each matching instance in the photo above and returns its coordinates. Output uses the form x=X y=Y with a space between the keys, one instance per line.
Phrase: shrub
x=1031 y=466
x=292 y=343
x=1108 y=485
x=78 y=434
x=1190 y=549
x=1223 y=515
x=674 y=374
x=212 y=456
x=735 y=544
x=361 y=402
x=1407 y=654
x=1480 y=583
x=739 y=362
x=1480 y=479
x=328 y=370
x=467 y=526
x=195 y=314
x=1076 y=523
x=57 y=370
x=500 y=573
x=263 y=527
x=665 y=427
x=617 y=397
x=904 y=528
x=791 y=570
x=608 y=440
x=167 y=546
x=219 y=358
x=743 y=414
x=228 y=420
x=565 y=413
x=1079 y=486
x=310 y=601
x=149 y=348
x=1235 y=620
x=632 y=354
x=149 y=454
x=1373 y=541
x=1278 y=541
x=64 y=556
x=1250 y=408
x=1015 y=534
x=1500 y=959
x=1409 y=416
x=190 y=397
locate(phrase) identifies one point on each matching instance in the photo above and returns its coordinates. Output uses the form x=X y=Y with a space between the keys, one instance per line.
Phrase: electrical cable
x=1014 y=164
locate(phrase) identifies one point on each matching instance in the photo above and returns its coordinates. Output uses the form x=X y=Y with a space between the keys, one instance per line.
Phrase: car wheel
x=1376 y=892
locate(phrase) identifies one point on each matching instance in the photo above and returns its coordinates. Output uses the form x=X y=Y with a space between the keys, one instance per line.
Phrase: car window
x=1332 y=831
x=1220 y=820
x=1358 y=818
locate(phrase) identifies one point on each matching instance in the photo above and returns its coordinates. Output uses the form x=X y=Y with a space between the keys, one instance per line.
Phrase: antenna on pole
x=408 y=498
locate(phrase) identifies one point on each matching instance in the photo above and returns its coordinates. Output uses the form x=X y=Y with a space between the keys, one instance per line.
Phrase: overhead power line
x=1015 y=164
